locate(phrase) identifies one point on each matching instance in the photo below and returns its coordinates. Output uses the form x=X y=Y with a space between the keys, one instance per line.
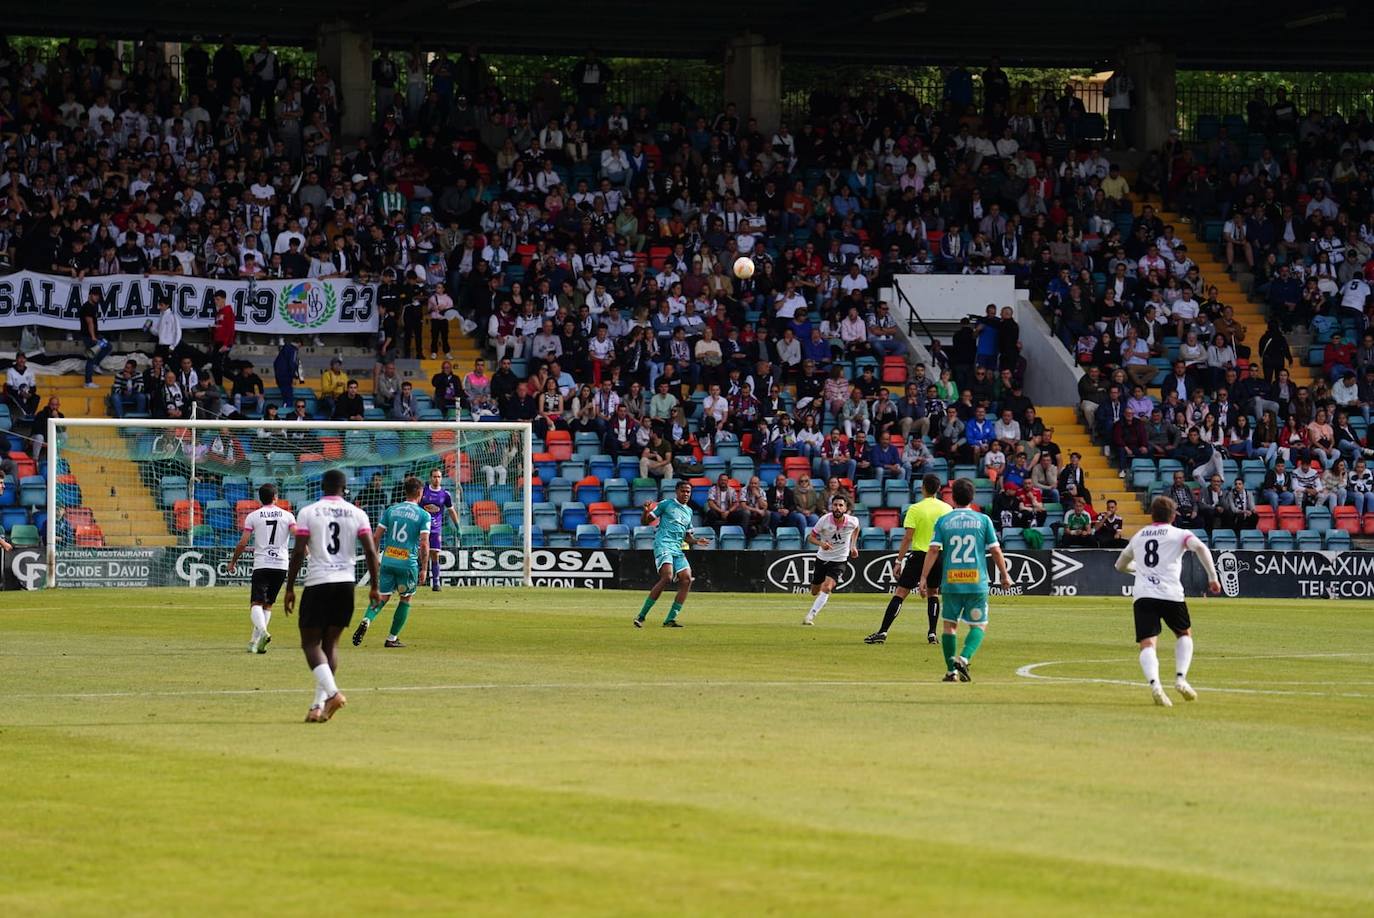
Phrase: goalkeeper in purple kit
x=436 y=500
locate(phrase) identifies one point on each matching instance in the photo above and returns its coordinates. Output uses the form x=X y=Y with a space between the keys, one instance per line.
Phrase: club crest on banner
x=308 y=304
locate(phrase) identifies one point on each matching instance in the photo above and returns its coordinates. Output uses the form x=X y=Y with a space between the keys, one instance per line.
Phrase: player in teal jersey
x=963 y=538
x=403 y=535
x=674 y=515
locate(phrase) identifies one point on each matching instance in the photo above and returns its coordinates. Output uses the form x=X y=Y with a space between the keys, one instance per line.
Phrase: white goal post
x=120 y=488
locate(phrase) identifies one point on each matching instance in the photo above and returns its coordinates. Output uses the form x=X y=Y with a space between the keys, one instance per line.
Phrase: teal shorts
x=968 y=607
x=398 y=578
x=676 y=558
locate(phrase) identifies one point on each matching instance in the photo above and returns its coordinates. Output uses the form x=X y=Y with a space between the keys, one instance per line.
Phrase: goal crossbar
x=523 y=428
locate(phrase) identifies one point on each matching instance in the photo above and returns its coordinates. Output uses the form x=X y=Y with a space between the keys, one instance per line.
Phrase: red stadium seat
x=187 y=513
x=886 y=520
x=1345 y=518
x=894 y=371
x=485 y=513
x=602 y=514
x=283 y=503
x=1368 y=524
x=559 y=444
x=89 y=537
x=1266 y=519
x=242 y=509
x=332 y=447
x=1291 y=519
x=795 y=467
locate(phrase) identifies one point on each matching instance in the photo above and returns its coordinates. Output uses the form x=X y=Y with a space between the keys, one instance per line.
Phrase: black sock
x=894 y=605
x=932 y=612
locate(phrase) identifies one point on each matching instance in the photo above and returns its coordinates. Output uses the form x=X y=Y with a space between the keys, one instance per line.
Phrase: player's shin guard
x=972 y=641
x=949 y=646
x=821 y=599
x=259 y=620
x=398 y=618
x=375 y=608
x=1183 y=655
x=894 y=605
x=648 y=604
x=932 y=613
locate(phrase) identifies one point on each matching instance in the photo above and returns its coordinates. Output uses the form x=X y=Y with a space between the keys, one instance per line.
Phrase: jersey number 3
x=333 y=546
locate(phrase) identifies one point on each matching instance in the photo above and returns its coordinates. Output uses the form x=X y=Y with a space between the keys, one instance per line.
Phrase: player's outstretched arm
x=1125 y=559
x=238 y=550
x=293 y=570
x=373 y=564
x=1204 y=557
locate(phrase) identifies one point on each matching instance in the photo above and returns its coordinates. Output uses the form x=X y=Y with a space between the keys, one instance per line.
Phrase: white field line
x=1029 y=672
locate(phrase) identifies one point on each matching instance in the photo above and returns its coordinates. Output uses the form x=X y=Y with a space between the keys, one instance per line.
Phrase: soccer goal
x=162 y=503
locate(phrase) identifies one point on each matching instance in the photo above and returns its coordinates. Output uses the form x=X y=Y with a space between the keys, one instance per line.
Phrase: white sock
x=818 y=605
x=259 y=621
x=266 y=617
x=392 y=637
x=324 y=679
x=1183 y=655
x=1149 y=665
x=319 y=698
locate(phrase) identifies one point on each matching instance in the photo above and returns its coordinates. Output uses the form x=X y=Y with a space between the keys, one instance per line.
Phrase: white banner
x=279 y=307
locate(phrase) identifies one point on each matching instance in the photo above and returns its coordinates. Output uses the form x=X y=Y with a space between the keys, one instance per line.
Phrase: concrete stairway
x=1072 y=436
x=124 y=507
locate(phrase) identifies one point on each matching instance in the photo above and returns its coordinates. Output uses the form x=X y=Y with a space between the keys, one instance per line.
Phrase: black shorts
x=266 y=585
x=327 y=605
x=911 y=572
x=1149 y=612
x=823 y=569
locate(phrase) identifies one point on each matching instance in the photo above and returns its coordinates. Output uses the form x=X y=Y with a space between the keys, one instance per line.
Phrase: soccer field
x=531 y=752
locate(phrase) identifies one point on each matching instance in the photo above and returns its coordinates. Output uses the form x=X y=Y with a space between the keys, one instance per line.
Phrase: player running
x=917 y=526
x=836 y=537
x=270 y=528
x=401 y=536
x=329 y=530
x=435 y=501
x=964 y=537
x=674 y=515
x=1157 y=552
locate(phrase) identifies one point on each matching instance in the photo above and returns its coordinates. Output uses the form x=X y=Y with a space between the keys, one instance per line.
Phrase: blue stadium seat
x=587 y=536
x=602 y=466
x=1280 y=540
x=501 y=535
x=33 y=492
x=768 y=472
x=573 y=515
x=871 y=538
x=1252 y=540
x=558 y=539
x=627 y=467
x=560 y=491
x=1318 y=519
x=207 y=492
x=894 y=538
x=1013 y=540
x=513 y=513
x=236 y=489
x=732 y=538
x=617 y=492
x=1309 y=540
x=13 y=516
x=642 y=489
x=586 y=445
x=712 y=466
x=1142 y=472
x=1224 y=539
x=1337 y=540
x=617 y=536
x=704 y=532
x=173 y=489
x=545 y=516
x=630 y=516
x=728 y=450
x=762 y=542
x=868 y=493
x=896 y=494
x=644 y=537
x=9 y=497
x=742 y=469
x=788 y=539
x=572 y=469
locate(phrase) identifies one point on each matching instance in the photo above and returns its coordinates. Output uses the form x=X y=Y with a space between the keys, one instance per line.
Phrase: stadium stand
x=1222 y=289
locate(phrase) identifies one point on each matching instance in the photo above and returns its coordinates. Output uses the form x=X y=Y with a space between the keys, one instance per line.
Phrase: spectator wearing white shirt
x=854 y=280
x=615 y=165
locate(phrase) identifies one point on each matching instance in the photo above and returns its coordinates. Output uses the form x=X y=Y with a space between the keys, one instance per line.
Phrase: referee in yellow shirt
x=920 y=526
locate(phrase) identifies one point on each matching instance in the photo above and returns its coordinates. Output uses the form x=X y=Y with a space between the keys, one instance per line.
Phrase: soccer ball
x=744 y=268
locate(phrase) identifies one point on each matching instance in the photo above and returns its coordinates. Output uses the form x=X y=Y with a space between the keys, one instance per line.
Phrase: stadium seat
x=896 y=494
x=1309 y=540
x=762 y=542
x=732 y=538
x=643 y=489
x=630 y=516
x=220 y=516
x=574 y=514
x=700 y=488
x=601 y=466
x=886 y=519
x=235 y=489
x=241 y=510
x=588 y=490
x=1337 y=540
x=1224 y=539
x=545 y=516
x=11 y=517
x=91 y=536
x=644 y=537
x=768 y=472
x=33 y=492
x=206 y=491
x=545 y=466
x=704 y=532
x=602 y=514
x=1290 y=518
x=627 y=467
x=1280 y=540
x=558 y=539
x=1013 y=540
x=895 y=371
x=201 y=535
x=741 y=469
x=25 y=536
x=728 y=450
x=1142 y=472
x=559 y=445
x=471 y=535
x=617 y=491
x=9 y=495
x=1345 y=518
x=586 y=445
x=501 y=535
x=788 y=539
x=796 y=467
x=185 y=514
x=871 y=538
x=485 y=514
x=1267 y=519
x=617 y=536
x=1319 y=519
x=560 y=491
x=1252 y=540
x=868 y=494
x=513 y=513
x=572 y=469
x=711 y=466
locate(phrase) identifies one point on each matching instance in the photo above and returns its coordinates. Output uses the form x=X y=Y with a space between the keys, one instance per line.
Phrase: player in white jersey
x=270 y=527
x=329 y=531
x=836 y=537
x=1155 y=556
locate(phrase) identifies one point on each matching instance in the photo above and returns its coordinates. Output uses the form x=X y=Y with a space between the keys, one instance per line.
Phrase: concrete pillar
x=753 y=80
x=347 y=52
x=1154 y=110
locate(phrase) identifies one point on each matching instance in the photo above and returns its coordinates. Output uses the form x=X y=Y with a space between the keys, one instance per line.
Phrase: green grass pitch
x=532 y=753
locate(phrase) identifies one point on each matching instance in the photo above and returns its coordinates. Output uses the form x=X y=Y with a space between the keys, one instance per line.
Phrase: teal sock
x=672 y=613
x=948 y=643
x=374 y=609
x=972 y=640
x=398 y=619
x=648 y=604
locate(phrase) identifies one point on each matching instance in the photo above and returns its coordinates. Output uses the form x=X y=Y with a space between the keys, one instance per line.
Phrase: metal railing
x=1202 y=108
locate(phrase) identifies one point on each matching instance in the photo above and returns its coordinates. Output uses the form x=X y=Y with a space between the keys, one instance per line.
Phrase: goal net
x=162 y=503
